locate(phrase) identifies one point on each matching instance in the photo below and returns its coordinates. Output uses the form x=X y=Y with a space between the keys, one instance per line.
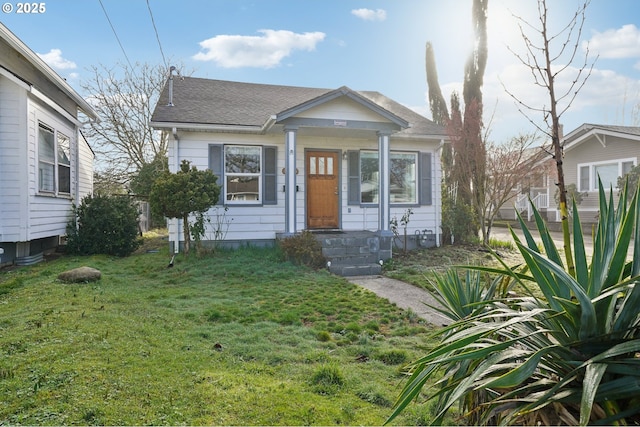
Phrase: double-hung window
x=246 y=173
x=608 y=172
x=54 y=161
x=409 y=178
x=242 y=171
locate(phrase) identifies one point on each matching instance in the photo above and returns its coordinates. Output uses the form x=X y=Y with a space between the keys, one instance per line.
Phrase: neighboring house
x=45 y=162
x=593 y=151
x=294 y=158
x=590 y=151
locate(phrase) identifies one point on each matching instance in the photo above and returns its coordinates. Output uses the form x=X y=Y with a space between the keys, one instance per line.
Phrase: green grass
x=232 y=338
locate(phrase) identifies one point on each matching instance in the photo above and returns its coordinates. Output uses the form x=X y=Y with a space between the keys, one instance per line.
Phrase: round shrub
x=104 y=225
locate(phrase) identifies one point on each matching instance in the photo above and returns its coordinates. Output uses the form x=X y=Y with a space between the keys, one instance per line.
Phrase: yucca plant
x=569 y=357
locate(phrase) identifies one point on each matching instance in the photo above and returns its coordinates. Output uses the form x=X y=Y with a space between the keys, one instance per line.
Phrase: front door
x=322 y=189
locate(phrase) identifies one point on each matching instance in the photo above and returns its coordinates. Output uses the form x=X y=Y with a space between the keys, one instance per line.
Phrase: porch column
x=384 y=211
x=290 y=180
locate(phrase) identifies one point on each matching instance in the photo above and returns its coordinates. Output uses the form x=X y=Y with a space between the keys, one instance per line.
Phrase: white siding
x=342 y=109
x=85 y=168
x=48 y=215
x=12 y=161
x=264 y=222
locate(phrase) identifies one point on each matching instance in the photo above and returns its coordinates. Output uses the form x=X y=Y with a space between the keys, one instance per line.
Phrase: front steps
x=354 y=253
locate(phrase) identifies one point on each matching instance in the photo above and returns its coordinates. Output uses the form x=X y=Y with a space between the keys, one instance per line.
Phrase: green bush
x=567 y=357
x=303 y=249
x=104 y=225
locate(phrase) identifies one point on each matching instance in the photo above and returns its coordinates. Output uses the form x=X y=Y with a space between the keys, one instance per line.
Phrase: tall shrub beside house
x=103 y=224
x=185 y=193
x=570 y=356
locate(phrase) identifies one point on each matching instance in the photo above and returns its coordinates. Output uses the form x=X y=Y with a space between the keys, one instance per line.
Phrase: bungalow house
x=603 y=151
x=338 y=162
x=590 y=151
x=45 y=162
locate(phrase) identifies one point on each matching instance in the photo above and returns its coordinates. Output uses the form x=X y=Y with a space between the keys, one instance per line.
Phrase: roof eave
x=211 y=127
x=42 y=67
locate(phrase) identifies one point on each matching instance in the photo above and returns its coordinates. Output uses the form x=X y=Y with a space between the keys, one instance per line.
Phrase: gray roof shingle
x=219 y=102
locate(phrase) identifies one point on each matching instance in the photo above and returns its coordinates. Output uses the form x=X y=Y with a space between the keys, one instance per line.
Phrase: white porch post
x=290 y=179
x=384 y=210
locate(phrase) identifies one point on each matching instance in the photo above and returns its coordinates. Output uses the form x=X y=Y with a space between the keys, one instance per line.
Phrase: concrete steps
x=351 y=253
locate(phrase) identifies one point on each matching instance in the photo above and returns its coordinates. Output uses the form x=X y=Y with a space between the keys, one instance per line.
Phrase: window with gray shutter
x=215 y=165
x=270 y=193
x=426 y=196
x=353 y=172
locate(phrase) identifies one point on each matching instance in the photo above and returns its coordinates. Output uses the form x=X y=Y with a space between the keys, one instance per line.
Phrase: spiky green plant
x=569 y=357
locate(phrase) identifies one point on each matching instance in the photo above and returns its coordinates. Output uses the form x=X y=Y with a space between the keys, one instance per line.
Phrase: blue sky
x=363 y=44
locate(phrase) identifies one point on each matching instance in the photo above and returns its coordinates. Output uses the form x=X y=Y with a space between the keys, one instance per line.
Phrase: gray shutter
x=353 y=172
x=425 y=179
x=216 y=166
x=269 y=176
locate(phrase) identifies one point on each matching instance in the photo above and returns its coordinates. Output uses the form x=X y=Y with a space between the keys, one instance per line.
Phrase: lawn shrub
x=104 y=225
x=392 y=357
x=303 y=249
x=327 y=379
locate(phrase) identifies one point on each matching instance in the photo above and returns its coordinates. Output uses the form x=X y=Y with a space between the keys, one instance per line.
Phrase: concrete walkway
x=404 y=295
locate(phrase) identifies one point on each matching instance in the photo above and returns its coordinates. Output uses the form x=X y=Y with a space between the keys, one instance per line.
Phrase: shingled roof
x=226 y=103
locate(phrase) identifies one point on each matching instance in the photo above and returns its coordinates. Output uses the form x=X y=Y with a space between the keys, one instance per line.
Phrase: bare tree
x=548 y=55
x=507 y=166
x=124 y=99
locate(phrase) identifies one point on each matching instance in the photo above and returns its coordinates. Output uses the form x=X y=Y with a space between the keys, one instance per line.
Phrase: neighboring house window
x=608 y=172
x=405 y=185
x=46 y=159
x=246 y=173
x=64 y=164
x=54 y=161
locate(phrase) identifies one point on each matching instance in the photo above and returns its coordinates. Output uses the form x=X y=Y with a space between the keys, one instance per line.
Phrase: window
x=406 y=185
x=46 y=159
x=242 y=173
x=54 y=161
x=608 y=172
x=246 y=173
x=64 y=164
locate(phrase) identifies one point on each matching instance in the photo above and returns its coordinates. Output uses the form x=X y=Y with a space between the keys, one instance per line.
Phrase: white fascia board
x=47 y=71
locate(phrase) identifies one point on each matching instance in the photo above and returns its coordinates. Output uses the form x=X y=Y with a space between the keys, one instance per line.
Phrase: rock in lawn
x=80 y=274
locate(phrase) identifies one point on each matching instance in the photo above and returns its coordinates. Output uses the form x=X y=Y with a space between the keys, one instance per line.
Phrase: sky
x=376 y=45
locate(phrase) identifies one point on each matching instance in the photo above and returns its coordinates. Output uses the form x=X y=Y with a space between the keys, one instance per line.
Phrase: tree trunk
x=187 y=234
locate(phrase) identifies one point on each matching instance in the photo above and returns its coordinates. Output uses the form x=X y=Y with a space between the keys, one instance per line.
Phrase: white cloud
x=55 y=60
x=370 y=14
x=265 y=51
x=620 y=43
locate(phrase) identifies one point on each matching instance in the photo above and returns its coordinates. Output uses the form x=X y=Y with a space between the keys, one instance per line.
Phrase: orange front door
x=322 y=189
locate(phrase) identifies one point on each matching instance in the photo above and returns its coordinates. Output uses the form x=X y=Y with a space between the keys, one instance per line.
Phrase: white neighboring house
x=295 y=158
x=45 y=162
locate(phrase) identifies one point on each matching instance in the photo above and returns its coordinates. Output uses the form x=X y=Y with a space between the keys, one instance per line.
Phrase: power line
x=153 y=22
x=115 y=34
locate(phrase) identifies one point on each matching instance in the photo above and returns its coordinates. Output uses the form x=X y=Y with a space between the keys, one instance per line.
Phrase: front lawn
x=233 y=338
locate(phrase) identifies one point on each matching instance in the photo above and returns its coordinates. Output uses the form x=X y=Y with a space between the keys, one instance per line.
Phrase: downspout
x=176 y=159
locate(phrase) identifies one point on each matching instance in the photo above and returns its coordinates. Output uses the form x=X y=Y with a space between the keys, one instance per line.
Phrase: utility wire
x=115 y=34
x=153 y=22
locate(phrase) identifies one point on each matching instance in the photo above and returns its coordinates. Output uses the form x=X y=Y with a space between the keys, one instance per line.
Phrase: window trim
x=592 y=186
x=268 y=173
x=423 y=182
x=258 y=174
x=55 y=163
